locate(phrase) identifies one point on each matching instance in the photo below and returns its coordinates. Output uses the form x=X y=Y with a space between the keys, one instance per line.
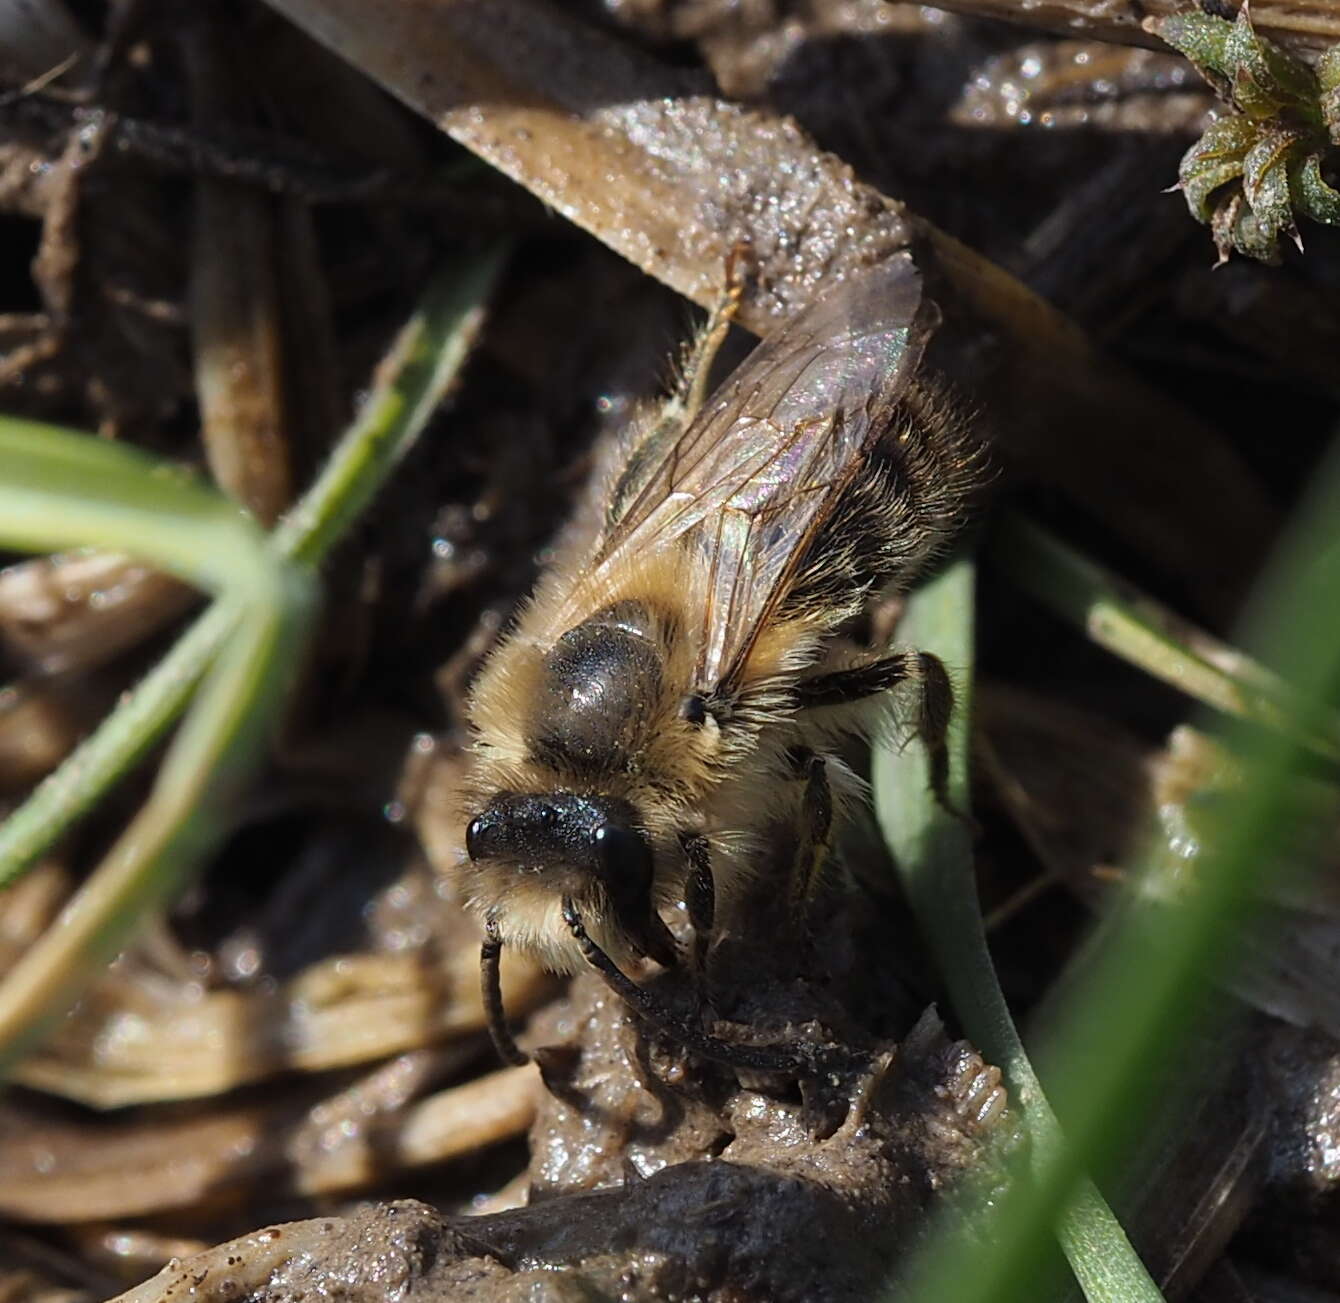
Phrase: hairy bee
x=678 y=668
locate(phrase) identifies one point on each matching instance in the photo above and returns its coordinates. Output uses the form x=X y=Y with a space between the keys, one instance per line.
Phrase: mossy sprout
x=1258 y=166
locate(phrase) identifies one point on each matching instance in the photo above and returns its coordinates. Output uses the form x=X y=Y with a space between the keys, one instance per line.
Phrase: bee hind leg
x=816 y=834
x=696 y=369
x=936 y=702
x=649 y=444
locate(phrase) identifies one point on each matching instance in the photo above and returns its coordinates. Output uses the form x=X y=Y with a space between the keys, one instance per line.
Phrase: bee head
x=573 y=841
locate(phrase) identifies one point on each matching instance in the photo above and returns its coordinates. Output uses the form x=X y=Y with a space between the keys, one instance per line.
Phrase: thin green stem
x=119 y=742
x=412 y=380
x=933 y=850
x=423 y=363
x=1143 y=631
x=186 y=814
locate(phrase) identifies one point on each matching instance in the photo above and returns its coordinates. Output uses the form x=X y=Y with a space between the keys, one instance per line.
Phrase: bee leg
x=652 y=940
x=701 y=899
x=696 y=369
x=648 y=448
x=490 y=980
x=799 y=1059
x=816 y=832
x=842 y=687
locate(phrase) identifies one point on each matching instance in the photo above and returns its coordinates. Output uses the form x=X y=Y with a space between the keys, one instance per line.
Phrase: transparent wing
x=753 y=478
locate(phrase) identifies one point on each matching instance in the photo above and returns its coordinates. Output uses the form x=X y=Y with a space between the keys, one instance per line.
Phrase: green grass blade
x=424 y=361
x=187 y=813
x=1134 y=626
x=933 y=850
x=252 y=636
x=122 y=739
x=422 y=365
x=59 y=490
x=1151 y=972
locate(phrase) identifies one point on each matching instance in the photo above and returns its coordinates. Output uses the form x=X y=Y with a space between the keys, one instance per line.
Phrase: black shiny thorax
x=598 y=682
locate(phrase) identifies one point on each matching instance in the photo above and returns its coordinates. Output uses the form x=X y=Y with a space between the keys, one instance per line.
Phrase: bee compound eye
x=474 y=833
x=606 y=839
x=547 y=816
x=621 y=853
x=693 y=709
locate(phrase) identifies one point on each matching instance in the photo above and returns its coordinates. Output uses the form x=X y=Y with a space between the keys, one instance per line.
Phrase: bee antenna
x=800 y=1059
x=490 y=983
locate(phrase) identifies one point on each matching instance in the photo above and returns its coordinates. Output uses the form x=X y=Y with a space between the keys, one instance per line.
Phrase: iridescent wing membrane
x=753 y=478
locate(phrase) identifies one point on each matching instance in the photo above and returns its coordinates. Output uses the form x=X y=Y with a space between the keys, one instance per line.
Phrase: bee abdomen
x=898 y=513
x=595 y=684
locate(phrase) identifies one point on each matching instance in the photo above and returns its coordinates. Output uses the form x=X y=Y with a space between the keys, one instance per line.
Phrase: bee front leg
x=936 y=701
x=490 y=956
x=801 y=1058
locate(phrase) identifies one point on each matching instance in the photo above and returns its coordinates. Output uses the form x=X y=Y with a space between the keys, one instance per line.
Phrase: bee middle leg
x=700 y=897
x=936 y=701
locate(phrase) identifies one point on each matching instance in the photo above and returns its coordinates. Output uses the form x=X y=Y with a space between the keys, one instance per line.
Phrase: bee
x=680 y=666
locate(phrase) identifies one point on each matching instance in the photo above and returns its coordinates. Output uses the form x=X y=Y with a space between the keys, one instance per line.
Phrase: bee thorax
x=596 y=683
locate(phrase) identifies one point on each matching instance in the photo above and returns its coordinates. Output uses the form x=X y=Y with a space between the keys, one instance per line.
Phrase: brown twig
x=345 y=1010
x=1306 y=28
x=238 y=335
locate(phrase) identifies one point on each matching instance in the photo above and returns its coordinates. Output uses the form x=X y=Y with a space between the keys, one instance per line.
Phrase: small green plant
x=232 y=667
x=1258 y=167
